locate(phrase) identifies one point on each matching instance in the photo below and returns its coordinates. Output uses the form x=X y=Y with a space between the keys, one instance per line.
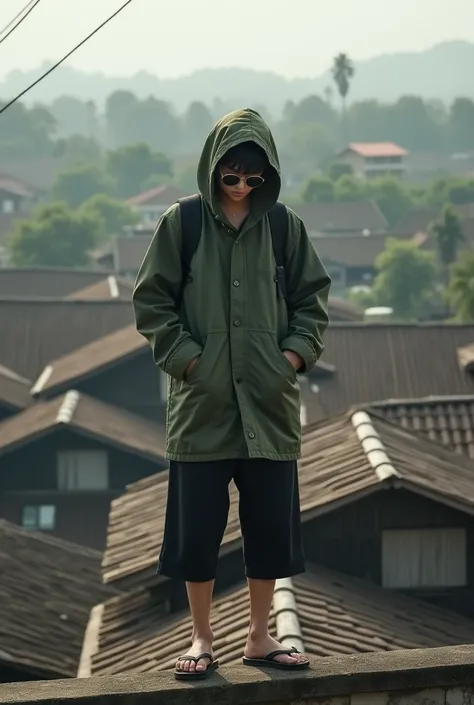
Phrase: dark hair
x=247 y=158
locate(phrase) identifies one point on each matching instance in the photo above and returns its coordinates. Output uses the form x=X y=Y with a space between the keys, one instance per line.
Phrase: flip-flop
x=268 y=661
x=196 y=675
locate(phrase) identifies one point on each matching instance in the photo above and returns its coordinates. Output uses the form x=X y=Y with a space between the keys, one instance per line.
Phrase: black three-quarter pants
x=197 y=510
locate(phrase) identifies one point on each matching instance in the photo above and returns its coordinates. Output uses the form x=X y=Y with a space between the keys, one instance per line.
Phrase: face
x=239 y=191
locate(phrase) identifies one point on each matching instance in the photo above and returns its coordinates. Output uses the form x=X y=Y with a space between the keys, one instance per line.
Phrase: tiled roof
x=446 y=420
x=417 y=220
x=338 y=464
x=351 y=250
x=377 y=149
x=111 y=287
x=35 y=331
x=164 y=195
x=337 y=615
x=86 y=416
x=14 y=186
x=47 y=590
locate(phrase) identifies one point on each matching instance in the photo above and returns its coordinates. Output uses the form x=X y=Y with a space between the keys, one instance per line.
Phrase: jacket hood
x=240 y=126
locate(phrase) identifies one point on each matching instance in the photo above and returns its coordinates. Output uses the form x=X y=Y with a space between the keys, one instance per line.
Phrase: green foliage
x=449 y=189
x=338 y=169
x=406 y=278
x=53 y=236
x=350 y=188
x=186 y=179
x=132 y=165
x=26 y=132
x=342 y=72
x=80 y=182
x=318 y=190
x=460 y=290
x=391 y=196
x=110 y=214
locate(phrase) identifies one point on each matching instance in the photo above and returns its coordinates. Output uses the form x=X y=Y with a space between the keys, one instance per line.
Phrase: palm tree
x=342 y=72
x=460 y=291
x=449 y=235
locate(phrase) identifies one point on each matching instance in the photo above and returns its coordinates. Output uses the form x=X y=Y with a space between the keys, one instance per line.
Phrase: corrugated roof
x=377 y=361
x=337 y=614
x=53 y=282
x=86 y=416
x=47 y=589
x=377 y=149
x=342 y=217
x=111 y=287
x=34 y=331
x=343 y=458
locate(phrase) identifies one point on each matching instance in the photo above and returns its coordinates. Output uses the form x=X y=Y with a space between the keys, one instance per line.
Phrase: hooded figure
x=232 y=345
x=242 y=397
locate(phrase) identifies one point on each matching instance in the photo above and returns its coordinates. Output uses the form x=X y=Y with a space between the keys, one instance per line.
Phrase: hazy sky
x=175 y=37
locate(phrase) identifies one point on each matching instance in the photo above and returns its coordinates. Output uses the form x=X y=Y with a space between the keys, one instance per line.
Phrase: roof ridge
x=68 y=407
x=373 y=446
x=286 y=615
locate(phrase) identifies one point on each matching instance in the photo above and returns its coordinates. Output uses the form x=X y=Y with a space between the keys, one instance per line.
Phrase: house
x=153 y=203
x=64 y=460
x=378 y=502
x=371 y=160
x=16 y=196
x=101 y=369
x=331 y=614
x=111 y=287
x=48 y=588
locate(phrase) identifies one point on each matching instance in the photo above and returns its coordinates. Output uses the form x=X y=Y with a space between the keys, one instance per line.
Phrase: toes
x=202 y=665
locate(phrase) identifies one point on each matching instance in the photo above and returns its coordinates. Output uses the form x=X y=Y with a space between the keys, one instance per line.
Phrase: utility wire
x=29 y=7
x=58 y=63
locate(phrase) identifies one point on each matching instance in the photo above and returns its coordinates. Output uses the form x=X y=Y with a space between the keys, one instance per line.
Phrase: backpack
x=191 y=226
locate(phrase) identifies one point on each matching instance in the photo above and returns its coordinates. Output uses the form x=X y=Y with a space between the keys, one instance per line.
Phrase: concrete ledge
x=339 y=679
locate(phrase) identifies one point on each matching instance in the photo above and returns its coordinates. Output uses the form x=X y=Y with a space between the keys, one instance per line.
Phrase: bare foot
x=199 y=646
x=260 y=646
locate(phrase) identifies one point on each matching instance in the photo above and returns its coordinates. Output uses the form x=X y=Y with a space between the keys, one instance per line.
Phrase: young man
x=232 y=340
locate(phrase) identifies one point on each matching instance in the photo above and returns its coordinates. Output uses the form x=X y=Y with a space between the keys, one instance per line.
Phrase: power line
x=29 y=7
x=58 y=63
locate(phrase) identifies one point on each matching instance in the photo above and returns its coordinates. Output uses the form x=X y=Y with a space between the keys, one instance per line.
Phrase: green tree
x=318 y=190
x=338 y=169
x=392 y=197
x=449 y=235
x=26 y=132
x=405 y=279
x=460 y=290
x=350 y=188
x=461 y=125
x=53 y=236
x=112 y=215
x=342 y=72
x=79 y=183
x=130 y=167
x=197 y=124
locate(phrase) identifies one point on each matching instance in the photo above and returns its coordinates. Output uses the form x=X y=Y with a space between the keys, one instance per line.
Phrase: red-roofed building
x=372 y=159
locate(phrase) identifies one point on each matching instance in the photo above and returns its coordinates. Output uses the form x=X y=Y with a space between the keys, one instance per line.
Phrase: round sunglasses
x=250 y=181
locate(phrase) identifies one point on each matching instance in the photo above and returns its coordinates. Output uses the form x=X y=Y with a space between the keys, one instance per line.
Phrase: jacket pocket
x=269 y=370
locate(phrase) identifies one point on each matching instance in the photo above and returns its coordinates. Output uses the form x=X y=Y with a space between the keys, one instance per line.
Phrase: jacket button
x=236 y=282
x=237 y=323
x=251 y=434
x=238 y=380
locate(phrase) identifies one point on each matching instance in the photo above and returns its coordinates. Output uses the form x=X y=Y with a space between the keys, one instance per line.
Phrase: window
x=83 y=470
x=39 y=517
x=424 y=558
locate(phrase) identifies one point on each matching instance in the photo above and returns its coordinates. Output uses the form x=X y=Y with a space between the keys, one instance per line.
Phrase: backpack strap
x=278 y=219
x=191 y=225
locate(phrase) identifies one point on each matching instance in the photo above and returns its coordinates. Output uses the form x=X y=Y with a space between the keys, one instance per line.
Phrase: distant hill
x=442 y=72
